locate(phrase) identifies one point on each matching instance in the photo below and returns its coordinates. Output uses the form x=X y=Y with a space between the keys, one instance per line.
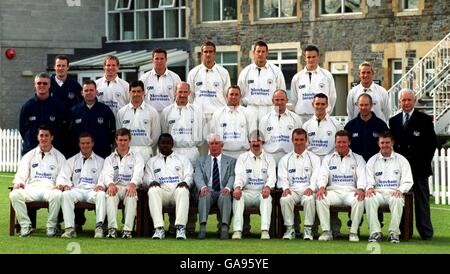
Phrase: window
x=229 y=61
x=339 y=6
x=287 y=61
x=218 y=10
x=145 y=19
x=277 y=8
x=396 y=74
x=409 y=4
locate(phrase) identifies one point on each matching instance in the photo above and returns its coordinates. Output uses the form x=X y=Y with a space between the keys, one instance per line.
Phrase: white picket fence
x=11 y=142
x=10 y=146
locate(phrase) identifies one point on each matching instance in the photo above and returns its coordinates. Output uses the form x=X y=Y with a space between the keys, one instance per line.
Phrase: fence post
x=443 y=175
x=436 y=177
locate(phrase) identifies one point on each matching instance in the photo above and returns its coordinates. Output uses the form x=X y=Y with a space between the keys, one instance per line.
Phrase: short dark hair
x=342 y=133
x=85 y=134
x=299 y=131
x=386 y=134
x=62 y=57
x=208 y=44
x=321 y=95
x=312 y=48
x=165 y=135
x=159 y=50
x=235 y=87
x=111 y=57
x=45 y=127
x=137 y=83
x=365 y=95
x=261 y=43
x=122 y=132
x=89 y=82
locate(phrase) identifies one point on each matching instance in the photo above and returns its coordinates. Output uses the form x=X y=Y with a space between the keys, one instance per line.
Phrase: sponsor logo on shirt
x=156 y=170
x=292 y=170
x=100 y=120
x=78 y=170
x=52 y=118
x=34 y=165
x=332 y=167
x=32 y=118
x=379 y=173
x=71 y=95
x=77 y=121
x=126 y=122
x=199 y=84
x=301 y=86
x=248 y=171
x=250 y=81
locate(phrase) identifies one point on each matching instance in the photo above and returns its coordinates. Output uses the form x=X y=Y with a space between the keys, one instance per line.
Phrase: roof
x=140 y=60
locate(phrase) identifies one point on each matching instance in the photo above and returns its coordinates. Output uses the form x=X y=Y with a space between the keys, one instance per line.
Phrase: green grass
x=38 y=243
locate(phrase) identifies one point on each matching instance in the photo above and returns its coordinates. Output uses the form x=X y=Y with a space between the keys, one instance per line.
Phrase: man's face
x=320 y=106
x=312 y=59
x=159 y=61
x=364 y=105
x=137 y=95
x=182 y=93
x=44 y=138
x=123 y=142
x=86 y=144
x=165 y=146
x=407 y=101
x=111 y=68
x=260 y=54
x=386 y=146
x=366 y=75
x=215 y=147
x=208 y=54
x=89 y=93
x=299 y=141
x=279 y=101
x=42 y=86
x=61 y=68
x=234 y=97
x=342 y=145
x=256 y=144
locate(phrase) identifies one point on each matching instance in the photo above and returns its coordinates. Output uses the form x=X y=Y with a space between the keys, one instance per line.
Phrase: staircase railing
x=441 y=97
x=421 y=77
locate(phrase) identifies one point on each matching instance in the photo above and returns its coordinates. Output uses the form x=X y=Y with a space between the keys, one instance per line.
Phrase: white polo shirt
x=387 y=174
x=298 y=171
x=184 y=123
x=80 y=173
x=37 y=171
x=170 y=171
x=258 y=84
x=143 y=123
x=303 y=89
x=234 y=126
x=208 y=87
x=160 y=91
x=254 y=172
x=343 y=173
x=277 y=130
x=129 y=169
x=321 y=135
x=113 y=94
x=380 y=100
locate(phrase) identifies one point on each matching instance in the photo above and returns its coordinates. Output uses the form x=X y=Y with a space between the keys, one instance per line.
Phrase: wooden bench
x=147 y=223
x=15 y=227
x=406 y=225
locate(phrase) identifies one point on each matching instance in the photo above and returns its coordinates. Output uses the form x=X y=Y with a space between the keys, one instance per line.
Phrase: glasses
x=42 y=83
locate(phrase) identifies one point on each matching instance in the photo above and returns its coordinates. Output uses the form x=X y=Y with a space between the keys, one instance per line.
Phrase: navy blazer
x=203 y=171
x=416 y=140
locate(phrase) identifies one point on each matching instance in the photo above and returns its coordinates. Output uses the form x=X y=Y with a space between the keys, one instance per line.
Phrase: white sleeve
x=242 y=83
x=149 y=176
x=332 y=96
x=271 y=172
x=22 y=175
x=324 y=172
x=188 y=172
x=294 y=94
x=406 y=182
x=350 y=104
x=283 y=180
x=65 y=176
x=138 y=170
x=155 y=130
x=107 y=174
x=281 y=83
x=315 y=161
x=361 y=182
x=164 y=114
x=240 y=175
x=369 y=172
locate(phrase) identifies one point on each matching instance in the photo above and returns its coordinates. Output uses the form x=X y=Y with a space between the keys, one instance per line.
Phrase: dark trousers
x=422 y=207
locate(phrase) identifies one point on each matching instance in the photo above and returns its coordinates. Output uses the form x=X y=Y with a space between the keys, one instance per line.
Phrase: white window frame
x=182 y=33
x=271 y=18
x=116 y=7
x=221 y=11
x=279 y=62
x=165 y=3
x=342 y=9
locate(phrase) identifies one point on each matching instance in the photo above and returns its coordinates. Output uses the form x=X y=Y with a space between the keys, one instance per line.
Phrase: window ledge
x=215 y=23
x=409 y=13
x=325 y=17
x=277 y=20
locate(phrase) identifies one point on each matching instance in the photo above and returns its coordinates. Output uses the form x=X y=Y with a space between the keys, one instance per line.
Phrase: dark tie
x=259 y=71
x=366 y=90
x=107 y=83
x=84 y=160
x=406 y=119
x=310 y=76
x=42 y=155
x=216 y=177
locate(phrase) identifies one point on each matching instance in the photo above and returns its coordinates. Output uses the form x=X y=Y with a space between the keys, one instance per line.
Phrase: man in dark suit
x=214 y=179
x=415 y=139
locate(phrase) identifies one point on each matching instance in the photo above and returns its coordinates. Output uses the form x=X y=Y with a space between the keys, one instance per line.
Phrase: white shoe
x=353 y=237
x=68 y=233
x=265 y=235
x=289 y=234
x=98 y=232
x=51 y=231
x=159 y=233
x=308 y=234
x=237 y=235
x=26 y=231
x=326 y=236
x=181 y=233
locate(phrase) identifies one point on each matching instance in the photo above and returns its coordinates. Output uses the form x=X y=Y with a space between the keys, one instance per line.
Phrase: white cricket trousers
x=112 y=203
x=395 y=206
x=158 y=197
x=288 y=203
x=75 y=195
x=252 y=198
x=32 y=193
x=340 y=198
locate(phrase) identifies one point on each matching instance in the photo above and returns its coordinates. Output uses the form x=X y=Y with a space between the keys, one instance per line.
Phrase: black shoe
x=224 y=232
x=202 y=232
